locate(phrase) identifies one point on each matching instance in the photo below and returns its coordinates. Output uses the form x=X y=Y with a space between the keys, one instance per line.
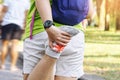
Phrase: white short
x=70 y=63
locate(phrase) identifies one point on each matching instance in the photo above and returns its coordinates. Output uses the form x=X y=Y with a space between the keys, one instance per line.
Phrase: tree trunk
x=118 y=23
x=101 y=13
x=118 y=15
x=107 y=16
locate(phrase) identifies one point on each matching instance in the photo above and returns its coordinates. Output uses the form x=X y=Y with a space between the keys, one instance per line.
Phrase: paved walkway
x=91 y=77
x=6 y=74
x=17 y=75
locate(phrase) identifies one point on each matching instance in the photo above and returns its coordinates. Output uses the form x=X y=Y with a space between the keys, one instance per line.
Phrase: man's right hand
x=58 y=36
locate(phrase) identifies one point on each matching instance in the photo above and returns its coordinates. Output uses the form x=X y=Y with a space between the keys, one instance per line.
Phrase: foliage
x=1 y=1
x=102 y=53
x=95 y=35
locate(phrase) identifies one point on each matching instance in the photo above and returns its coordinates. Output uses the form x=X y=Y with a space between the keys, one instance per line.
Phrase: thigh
x=33 y=51
x=25 y=76
x=70 y=63
x=64 y=78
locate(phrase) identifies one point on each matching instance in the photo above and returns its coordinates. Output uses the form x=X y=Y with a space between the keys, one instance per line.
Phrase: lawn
x=102 y=53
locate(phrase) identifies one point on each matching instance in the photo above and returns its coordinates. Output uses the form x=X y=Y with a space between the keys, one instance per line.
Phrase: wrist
x=47 y=24
x=50 y=28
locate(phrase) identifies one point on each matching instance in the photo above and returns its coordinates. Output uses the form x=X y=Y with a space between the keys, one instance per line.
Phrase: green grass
x=102 y=53
x=94 y=35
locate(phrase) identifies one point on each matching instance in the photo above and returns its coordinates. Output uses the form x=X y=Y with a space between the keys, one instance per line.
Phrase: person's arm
x=44 y=69
x=3 y=10
x=84 y=24
x=91 y=9
x=55 y=35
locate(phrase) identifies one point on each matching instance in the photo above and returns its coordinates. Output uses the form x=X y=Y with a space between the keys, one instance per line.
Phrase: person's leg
x=15 y=37
x=70 y=64
x=4 y=52
x=64 y=78
x=44 y=69
x=41 y=73
x=14 y=53
x=5 y=41
x=34 y=51
x=25 y=76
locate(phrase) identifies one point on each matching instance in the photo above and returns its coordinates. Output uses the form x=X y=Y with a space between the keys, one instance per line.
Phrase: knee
x=25 y=77
x=65 y=78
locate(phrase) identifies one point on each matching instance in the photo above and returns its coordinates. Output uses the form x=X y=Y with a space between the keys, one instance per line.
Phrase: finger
x=66 y=34
x=62 y=42
x=66 y=37
x=51 y=44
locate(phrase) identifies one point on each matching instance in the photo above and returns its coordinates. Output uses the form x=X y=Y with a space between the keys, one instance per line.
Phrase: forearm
x=44 y=9
x=91 y=9
x=24 y=23
x=4 y=8
x=44 y=69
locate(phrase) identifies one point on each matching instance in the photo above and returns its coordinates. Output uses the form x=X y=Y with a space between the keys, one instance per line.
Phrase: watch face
x=48 y=24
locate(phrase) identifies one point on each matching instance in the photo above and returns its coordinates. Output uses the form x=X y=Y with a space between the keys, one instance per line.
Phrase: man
x=41 y=62
x=12 y=25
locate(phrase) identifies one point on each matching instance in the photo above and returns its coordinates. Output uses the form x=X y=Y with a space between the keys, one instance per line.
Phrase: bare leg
x=64 y=78
x=25 y=76
x=4 y=52
x=14 y=53
x=43 y=70
x=56 y=78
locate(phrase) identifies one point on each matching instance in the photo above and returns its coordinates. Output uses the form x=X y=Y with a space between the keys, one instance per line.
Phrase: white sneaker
x=14 y=68
x=2 y=66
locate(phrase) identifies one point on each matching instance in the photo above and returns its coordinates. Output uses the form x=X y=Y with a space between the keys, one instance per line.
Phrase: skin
x=47 y=63
x=54 y=33
x=44 y=69
x=5 y=45
x=3 y=10
x=91 y=9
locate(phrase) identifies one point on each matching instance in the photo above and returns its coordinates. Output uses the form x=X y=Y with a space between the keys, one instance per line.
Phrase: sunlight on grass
x=102 y=54
x=95 y=35
x=102 y=49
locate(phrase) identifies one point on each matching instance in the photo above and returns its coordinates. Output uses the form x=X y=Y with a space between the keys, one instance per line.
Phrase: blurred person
x=42 y=61
x=13 y=24
x=1 y=13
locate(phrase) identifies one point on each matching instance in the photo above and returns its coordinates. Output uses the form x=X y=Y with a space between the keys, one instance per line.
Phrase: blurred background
x=102 y=52
x=102 y=48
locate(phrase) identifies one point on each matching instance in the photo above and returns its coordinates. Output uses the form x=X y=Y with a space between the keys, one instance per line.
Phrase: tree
x=117 y=15
x=107 y=15
x=1 y=1
x=101 y=13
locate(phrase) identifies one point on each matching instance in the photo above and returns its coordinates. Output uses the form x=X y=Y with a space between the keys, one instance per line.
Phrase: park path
x=17 y=75
x=6 y=74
